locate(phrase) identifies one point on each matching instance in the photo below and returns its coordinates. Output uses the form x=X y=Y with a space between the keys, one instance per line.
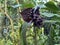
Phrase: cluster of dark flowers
x=32 y=15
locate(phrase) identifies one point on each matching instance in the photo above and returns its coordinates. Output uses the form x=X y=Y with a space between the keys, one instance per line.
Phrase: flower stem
x=35 y=36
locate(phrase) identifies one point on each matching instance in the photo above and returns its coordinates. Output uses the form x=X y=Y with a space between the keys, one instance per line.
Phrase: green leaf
x=47 y=14
x=27 y=5
x=51 y=21
x=52 y=6
x=50 y=14
x=56 y=18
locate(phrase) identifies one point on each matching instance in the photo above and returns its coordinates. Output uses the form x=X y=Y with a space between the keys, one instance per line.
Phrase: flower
x=32 y=15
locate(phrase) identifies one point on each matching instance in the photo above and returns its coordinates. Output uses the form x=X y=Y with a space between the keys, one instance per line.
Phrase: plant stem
x=51 y=36
x=35 y=36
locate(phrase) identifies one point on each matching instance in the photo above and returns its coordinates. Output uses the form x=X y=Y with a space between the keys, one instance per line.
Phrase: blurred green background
x=15 y=31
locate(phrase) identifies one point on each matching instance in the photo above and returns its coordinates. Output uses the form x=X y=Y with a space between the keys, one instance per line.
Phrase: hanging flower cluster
x=32 y=15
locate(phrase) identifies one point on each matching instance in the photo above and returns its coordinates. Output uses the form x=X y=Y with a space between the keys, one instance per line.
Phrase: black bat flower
x=32 y=14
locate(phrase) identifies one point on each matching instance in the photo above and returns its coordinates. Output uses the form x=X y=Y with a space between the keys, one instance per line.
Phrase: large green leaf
x=52 y=6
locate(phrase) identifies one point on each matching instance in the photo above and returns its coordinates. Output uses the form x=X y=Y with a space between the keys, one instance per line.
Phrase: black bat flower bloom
x=32 y=14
